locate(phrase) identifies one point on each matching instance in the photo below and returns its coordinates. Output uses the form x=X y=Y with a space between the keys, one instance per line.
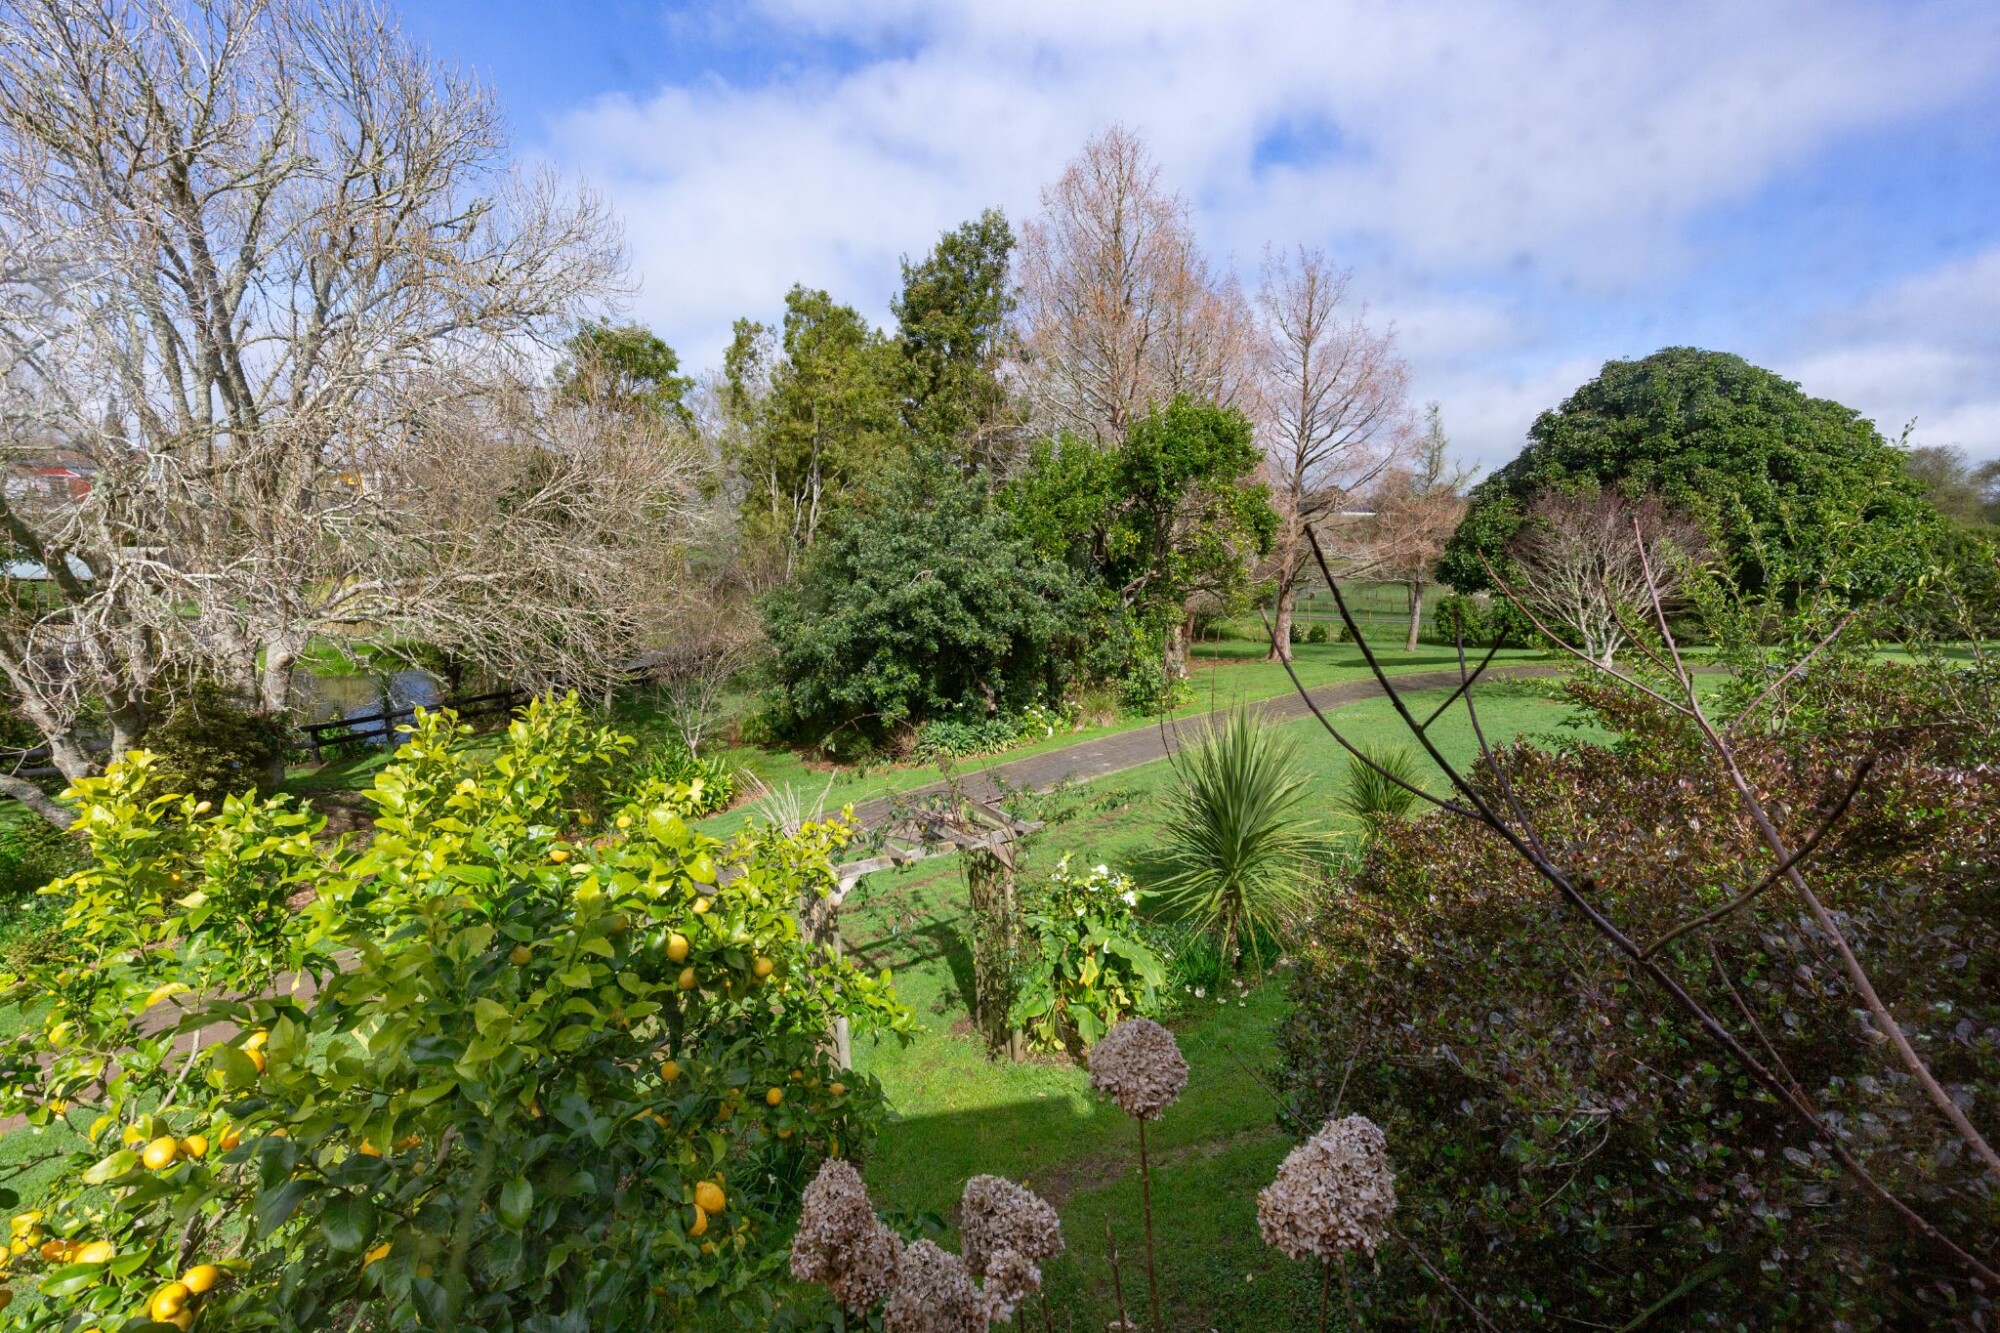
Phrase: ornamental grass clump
x=1333 y=1195
x=1139 y=1066
x=841 y=1244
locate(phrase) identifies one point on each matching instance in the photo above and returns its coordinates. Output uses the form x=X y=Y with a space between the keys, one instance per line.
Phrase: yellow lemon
x=203 y=807
x=763 y=967
x=797 y=1075
x=586 y=819
x=708 y=1247
x=774 y=1096
x=677 y=947
x=169 y=1301
x=708 y=1197
x=379 y=1252
x=409 y=1141
x=687 y=981
x=785 y=1133
x=201 y=1278
x=259 y=1059
x=670 y=1071
x=183 y=1321
x=230 y=1139
x=701 y=907
x=27 y=1221
x=700 y=1221
x=195 y=1145
x=624 y=821
x=837 y=1089
x=559 y=854
x=520 y=955
x=160 y=1154
x=368 y=1149
x=52 y=1250
x=97 y=1252
x=255 y=1041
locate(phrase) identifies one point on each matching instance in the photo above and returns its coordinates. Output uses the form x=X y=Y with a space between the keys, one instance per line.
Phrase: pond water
x=317 y=698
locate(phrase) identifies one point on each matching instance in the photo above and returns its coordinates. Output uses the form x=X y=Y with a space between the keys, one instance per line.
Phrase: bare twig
x=1805 y=849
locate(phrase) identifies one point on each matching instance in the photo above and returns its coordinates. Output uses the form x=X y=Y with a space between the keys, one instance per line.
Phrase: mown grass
x=961 y=1114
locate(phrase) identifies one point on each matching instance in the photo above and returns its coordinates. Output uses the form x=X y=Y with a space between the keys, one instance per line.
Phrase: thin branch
x=1805 y=849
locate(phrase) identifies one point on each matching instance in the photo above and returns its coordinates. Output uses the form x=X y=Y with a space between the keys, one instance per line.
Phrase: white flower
x=1201 y=992
x=1131 y=898
x=1101 y=870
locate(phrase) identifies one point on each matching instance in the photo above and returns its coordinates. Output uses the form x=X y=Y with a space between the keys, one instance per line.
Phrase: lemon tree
x=534 y=1058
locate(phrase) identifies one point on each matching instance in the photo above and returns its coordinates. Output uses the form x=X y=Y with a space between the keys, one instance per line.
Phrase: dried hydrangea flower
x=1011 y=1277
x=841 y=1244
x=996 y=1214
x=933 y=1294
x=1333 y=1194
x=1138 y=1066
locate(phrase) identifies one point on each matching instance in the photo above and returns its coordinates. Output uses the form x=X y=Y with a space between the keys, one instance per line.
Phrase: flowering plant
x=1084 y=966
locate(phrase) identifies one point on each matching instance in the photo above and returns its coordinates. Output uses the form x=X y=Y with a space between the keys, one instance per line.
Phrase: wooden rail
x=317 y=737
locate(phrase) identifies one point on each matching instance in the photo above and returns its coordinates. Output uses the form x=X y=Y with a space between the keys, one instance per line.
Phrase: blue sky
x=1524 y=189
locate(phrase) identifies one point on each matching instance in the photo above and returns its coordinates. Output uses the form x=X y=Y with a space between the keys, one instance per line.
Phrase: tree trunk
x=1174 y=655
x=1281 y=620
x=129 y=720
x=281 y=659
x=28 y=794
x=1416 y=613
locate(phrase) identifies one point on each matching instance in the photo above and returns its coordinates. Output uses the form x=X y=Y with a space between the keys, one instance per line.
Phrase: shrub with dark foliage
x=1569 y=1145
x=210 y=746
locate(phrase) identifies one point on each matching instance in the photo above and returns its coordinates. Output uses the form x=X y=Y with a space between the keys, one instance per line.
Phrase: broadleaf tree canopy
x=1792 y=489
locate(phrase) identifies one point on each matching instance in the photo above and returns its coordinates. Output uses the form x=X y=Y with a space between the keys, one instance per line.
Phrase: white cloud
x=1470 y=143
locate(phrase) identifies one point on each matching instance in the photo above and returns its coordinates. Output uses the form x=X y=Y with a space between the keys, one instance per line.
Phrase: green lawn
x=1225 y=674
x=961 y=1114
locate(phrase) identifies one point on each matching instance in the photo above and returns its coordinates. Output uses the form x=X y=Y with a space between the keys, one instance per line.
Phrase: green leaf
x=348 y=1223
x=516 y=1198
x=236 y=1068
x=488 y=1014
x=117 y=1164
x=275 y=1206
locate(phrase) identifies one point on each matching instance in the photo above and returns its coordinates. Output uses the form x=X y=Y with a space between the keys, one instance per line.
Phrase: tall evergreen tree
x=951 y=326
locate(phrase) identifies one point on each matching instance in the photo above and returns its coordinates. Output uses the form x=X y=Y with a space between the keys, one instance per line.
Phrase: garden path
x=1104 y=755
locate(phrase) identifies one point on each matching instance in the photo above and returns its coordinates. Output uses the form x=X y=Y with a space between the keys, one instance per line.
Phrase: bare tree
x=1581 y=560
x=1119 y=309
x=254 y=256
x=1331 y=406
x=1416 y=508
x=691 y=673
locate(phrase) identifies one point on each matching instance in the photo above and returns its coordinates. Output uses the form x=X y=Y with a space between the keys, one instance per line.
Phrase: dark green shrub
x=210 y=746
x=32 y=853
x=1480 y=622
x=927 y=604
x=1566 y=1140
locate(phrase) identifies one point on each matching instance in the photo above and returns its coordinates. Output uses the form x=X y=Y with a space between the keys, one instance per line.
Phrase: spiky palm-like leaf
x=1372 y=797
x=1238 y=852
